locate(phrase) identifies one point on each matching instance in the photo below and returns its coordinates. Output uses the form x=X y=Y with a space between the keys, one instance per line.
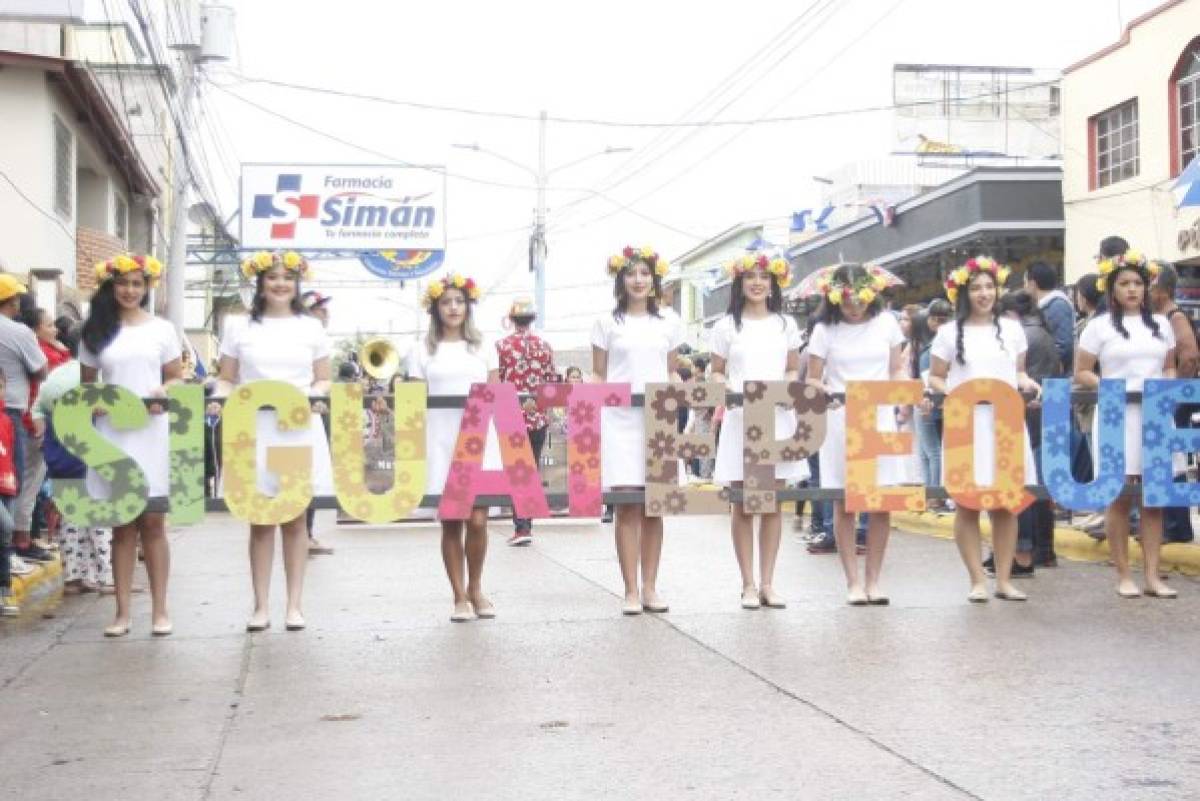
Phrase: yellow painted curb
x=40 y=588
x=1069 y=543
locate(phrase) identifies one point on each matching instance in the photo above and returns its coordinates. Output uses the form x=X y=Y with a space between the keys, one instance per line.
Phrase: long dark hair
x=848 y=274
x=962 y=310
x=1116 y=313
x=622 y=295
x=259 y=304
x=737 y=301
x=104 y=317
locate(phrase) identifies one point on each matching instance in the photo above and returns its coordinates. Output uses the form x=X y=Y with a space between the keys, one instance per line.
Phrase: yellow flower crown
x=1130 y=258
x=777 y=266
x=979 y=264
x=865 y=289
x=451 y=281
x=630 y=256
x=264 y=260
x=119 y=265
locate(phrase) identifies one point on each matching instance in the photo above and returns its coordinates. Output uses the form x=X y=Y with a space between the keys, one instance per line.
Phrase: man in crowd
x=526 y=360
x=1041 y=281
x=1177 y=521
x=21 y=360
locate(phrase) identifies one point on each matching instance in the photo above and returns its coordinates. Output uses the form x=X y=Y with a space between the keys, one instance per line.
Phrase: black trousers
x=537 y=440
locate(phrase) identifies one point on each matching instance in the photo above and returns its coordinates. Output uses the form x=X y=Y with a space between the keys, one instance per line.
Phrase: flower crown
x=979 y=264
x=119 y=265
x=777 y=266
x=630 y=256
x=1130 y=258
x=264 y=260
x=452 y=281
x=865 y=289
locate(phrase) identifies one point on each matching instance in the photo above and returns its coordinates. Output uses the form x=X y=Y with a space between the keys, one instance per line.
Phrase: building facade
x=1129 y=130
x=73 y=182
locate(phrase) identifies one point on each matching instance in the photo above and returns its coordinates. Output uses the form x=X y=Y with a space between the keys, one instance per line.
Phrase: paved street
x=1076 y=694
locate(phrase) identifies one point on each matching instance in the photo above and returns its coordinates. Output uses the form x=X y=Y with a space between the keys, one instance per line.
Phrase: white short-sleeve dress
x=637 y=346
x=134 y=360
x=1135 y=359
x=451 y=370
x=758 y=351
x=283 y=349
x=856 y=352
x=985 y=357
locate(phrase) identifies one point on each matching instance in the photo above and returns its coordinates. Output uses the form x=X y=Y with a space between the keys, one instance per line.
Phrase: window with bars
x=1115 y=134
x=64 y=168
x=121 y=218
x=1188 y=96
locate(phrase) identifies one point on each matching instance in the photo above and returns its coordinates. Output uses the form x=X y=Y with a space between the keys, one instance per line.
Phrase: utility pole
x=538 y=242
x=182 y=177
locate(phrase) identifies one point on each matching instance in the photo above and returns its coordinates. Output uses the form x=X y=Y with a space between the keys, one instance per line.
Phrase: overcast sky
x=620 y=61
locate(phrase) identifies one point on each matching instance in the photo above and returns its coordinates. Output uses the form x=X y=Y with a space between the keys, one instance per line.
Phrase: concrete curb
x=40 y=589
x=1069 y=543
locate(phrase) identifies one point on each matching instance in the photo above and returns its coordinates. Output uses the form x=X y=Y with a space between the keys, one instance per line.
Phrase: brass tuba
x=379 y=358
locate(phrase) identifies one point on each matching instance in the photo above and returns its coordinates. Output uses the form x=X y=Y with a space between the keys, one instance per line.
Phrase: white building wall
x=1140 y=208
x=34 y=237
x=37 y=235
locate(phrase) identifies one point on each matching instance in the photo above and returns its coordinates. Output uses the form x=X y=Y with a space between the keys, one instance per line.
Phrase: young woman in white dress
x=126 y=345
x=1130 y=343
x=635 y=344
x=854 y=340
x=755 y=341
x=454 y=356
x=280 y=342
x=980 y=343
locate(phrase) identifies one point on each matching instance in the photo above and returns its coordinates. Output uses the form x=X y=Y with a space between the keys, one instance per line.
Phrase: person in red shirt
x=8 y=492
x=526 y=360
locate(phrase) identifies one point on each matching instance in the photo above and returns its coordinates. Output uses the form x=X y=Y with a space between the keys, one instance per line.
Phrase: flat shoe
x=116 y=631
x=162 y=631
x=484 y=611
x=771 y=600
x=631 y=608
x=978 y=596
x=878 y=600
x=295 y=626
x=1165 y=592
x=857 y=598
x=657 y=609
x=750 y=600
x=1129 y=595
x=266 y=624
x=1010 y=596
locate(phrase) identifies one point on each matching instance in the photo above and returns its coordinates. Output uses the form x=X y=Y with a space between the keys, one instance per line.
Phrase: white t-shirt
x=637 y=347
x=454 y=367
x=277 y=349
x=856 y=352
x=1134 y=359
x=983 y=354
x=759 y=351
x=135 y=357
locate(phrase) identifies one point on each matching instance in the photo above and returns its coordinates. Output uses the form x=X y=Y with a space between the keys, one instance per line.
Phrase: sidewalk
x=1069 y=542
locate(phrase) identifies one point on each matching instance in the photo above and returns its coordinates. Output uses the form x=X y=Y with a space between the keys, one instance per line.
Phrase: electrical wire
x=738 y=134
x=53 y=217
x=729 y=123
x=442 y=171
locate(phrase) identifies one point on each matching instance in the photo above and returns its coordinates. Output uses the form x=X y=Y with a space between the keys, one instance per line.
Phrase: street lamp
x=537 y=240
